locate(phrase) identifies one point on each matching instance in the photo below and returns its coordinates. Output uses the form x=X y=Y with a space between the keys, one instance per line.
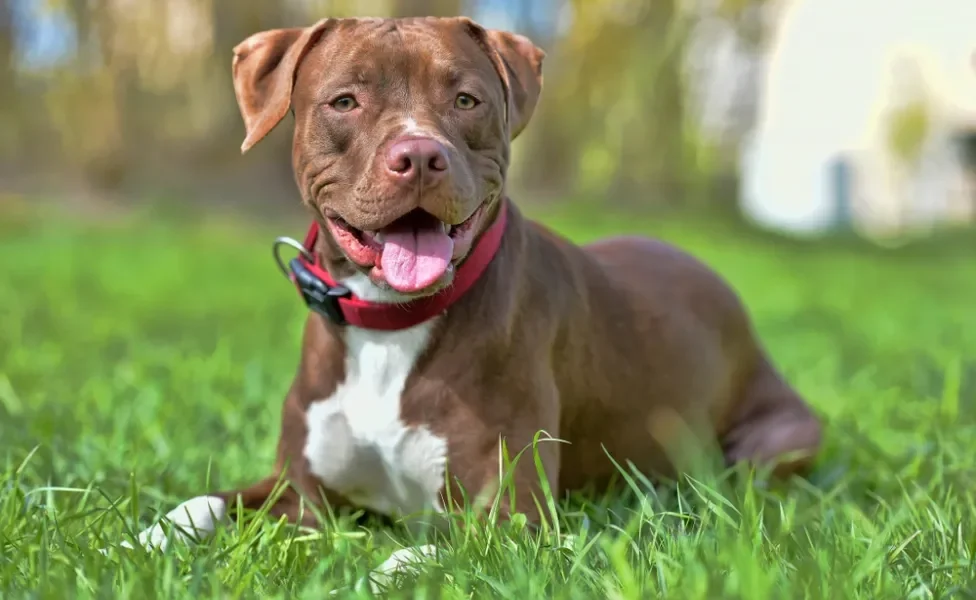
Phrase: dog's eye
x=466 y=102
x=344 y=103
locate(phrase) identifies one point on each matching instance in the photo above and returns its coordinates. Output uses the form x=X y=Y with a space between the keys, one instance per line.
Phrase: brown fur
x=627 y=344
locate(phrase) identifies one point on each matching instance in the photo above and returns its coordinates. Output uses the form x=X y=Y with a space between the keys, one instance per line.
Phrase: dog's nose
x=417 y=158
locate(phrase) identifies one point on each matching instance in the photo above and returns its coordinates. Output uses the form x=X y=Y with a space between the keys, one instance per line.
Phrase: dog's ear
x=522 y=61
x=264 y=68
x=519 y=64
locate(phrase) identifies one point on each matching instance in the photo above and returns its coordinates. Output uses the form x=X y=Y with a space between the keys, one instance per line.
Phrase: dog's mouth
x=411 y=254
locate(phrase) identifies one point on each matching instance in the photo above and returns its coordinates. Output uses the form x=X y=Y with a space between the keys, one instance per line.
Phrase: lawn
x=144 y=360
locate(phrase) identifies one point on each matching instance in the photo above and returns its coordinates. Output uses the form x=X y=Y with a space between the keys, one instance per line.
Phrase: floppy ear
x=264 y=68
x=521 y=70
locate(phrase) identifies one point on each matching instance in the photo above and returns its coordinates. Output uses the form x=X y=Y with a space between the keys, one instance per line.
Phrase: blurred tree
x=425 y=8
x=616 y=122
x=613 y=120
x=6 y=48
x=908 y=126
x=8 y=81
x=83 y=98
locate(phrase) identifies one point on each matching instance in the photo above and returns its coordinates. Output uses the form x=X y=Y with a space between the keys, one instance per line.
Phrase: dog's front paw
x=401 y=562
x=194 y=520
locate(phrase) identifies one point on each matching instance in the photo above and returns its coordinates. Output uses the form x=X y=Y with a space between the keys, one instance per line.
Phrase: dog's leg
x=488 y=479
x=286 y=502
x=198 y=518
x=775 y=426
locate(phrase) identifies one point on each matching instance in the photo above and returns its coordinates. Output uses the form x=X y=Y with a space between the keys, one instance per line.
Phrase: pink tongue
x=414 y=258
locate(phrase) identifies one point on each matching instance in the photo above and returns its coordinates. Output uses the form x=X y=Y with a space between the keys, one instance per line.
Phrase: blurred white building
x=867 y=117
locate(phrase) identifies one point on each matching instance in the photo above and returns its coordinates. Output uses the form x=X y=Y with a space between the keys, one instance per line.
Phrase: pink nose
x=417 y=158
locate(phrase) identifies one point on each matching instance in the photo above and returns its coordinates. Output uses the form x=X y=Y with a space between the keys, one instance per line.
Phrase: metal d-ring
x=287 y=241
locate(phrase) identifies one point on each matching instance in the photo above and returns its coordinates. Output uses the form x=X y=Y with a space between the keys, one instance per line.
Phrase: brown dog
x=445 y=323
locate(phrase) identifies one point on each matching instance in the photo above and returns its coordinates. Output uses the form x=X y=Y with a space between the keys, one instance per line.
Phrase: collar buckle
x=317 y=294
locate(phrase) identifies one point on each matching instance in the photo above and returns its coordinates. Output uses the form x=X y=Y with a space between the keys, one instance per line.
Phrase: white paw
x=405 y=560
x=196 y=520
x=569 y=541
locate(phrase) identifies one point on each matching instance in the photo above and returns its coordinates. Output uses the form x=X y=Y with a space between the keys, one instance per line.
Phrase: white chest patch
x=357 y=444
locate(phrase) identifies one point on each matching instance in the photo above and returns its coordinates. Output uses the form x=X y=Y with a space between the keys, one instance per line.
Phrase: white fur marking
x=361 y=286
x=357 y=444
x=411 y=126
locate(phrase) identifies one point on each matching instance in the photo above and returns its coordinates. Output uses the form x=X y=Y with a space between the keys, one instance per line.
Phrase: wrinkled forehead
x=397 y=56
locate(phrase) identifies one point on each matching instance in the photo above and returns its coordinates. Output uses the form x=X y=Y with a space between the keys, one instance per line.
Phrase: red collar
x=335 y=302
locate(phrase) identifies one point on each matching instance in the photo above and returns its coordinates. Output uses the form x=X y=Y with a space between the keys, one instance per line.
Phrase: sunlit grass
x=143 y=361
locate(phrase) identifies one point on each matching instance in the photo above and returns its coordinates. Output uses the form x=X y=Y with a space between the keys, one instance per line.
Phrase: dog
x=444 y=325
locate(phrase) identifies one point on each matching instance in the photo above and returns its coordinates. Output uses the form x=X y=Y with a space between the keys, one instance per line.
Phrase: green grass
x=143 y=361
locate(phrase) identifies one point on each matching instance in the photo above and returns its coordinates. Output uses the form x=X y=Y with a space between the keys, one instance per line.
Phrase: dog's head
x=402 y=132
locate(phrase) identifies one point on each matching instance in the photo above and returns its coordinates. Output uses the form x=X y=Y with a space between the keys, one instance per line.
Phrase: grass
x=144 y=360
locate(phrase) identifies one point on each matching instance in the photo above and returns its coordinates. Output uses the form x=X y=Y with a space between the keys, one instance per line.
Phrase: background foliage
x=109 y=96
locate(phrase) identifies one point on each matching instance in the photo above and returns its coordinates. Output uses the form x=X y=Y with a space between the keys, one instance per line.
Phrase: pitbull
x=446 y=326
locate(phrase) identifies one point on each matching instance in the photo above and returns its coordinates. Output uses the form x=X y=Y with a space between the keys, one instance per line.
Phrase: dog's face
x=402 y=132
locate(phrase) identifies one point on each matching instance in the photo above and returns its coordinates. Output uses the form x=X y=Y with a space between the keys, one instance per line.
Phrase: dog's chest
x=357 y=443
